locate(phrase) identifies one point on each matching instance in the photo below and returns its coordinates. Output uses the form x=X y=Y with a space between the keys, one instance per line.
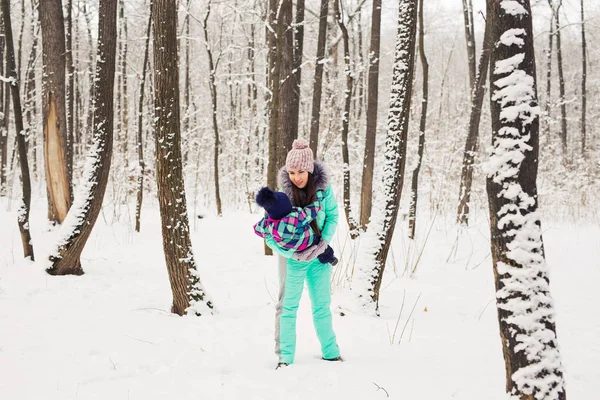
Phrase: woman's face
x=299 y=177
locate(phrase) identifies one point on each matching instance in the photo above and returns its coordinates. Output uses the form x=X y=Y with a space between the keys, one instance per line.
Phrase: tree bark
x=366 y=199
x=525 y=307
x=213 y=95
x=55 y=133
x=412 y=211
x=318 y=84
x=371 y=267
x=188 y=293
x=466 y=176
x=23 y=214
x=140 y=134
x=88 y=204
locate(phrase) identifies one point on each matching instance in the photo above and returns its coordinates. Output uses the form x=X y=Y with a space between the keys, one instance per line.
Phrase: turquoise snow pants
x=292 y=275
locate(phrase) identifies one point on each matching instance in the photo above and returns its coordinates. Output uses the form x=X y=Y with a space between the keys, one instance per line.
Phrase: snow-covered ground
x=109 y=334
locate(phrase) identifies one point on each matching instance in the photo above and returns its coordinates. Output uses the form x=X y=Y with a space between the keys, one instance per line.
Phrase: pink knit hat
x=300 y=157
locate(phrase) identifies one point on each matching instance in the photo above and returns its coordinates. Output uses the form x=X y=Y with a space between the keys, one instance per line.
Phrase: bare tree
x=352 y=223
x=525 y=306
x=561 y=77
x=470 y=40
x=188 y=293
x=366 y=199
x=140 y=135
x=381 y=228
x=87 y=205
x=3 y=116
x=318 y=84
x=466 y=176
x=412 y=211
x=547 y=109
x=55 y=134
x=273 y=83
x=583 y=83
x=30 y=87
x=212 y=70
x=23 y=215
x=70 y=90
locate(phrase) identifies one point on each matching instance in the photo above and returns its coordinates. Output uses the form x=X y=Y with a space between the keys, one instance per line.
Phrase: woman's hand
x=311 y=252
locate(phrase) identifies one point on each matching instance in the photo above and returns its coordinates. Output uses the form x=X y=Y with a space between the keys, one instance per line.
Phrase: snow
x=513 y=7
x=109 y=334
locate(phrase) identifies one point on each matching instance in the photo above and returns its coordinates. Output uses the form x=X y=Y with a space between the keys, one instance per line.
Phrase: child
x=290 y=226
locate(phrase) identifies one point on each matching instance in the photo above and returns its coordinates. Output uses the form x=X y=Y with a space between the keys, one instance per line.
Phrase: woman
x=300 y=179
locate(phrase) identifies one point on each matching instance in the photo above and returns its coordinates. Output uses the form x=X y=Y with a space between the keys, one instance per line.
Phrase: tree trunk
x=561 y=82
x=366 y=199
x=3 y=116
x=470 y=39
x=273 y=74
x=298 y=31
x=19 y=59
x=188 y=292
x=88 y=204
x=412 y=212
x=316 y=100
x=53 y=103
x=547 y=119
x=140 y=134
x=466 y=176
x=187 y=82
x=583 y=83
x=30 y=87
x=285 y=52
x=380 y=233
x=525 y=307
x=352 y=224
x=23 y=215
x=90 y=111
x=70 y=87
x=213 y=95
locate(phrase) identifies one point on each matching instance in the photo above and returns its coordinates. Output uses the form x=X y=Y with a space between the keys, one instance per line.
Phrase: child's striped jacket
x=293 y=231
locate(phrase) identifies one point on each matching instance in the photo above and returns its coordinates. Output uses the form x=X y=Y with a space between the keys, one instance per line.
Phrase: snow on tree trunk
x=86 y=207
x=188 y=292
x=525 y=307
x=376 y=241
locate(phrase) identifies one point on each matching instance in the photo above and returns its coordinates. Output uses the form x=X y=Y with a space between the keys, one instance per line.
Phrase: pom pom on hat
x=300 y=157
x=276 y=204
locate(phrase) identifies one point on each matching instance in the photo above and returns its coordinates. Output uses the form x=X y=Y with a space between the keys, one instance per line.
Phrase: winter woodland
x=461 y=141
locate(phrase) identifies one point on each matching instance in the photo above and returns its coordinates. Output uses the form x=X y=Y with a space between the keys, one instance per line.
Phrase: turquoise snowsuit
x=292 y=275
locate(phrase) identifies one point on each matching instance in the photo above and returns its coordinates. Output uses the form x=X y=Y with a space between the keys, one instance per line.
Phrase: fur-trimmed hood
x=320 y=177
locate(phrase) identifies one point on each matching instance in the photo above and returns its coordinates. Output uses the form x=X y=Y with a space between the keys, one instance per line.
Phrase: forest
x=459 y=139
